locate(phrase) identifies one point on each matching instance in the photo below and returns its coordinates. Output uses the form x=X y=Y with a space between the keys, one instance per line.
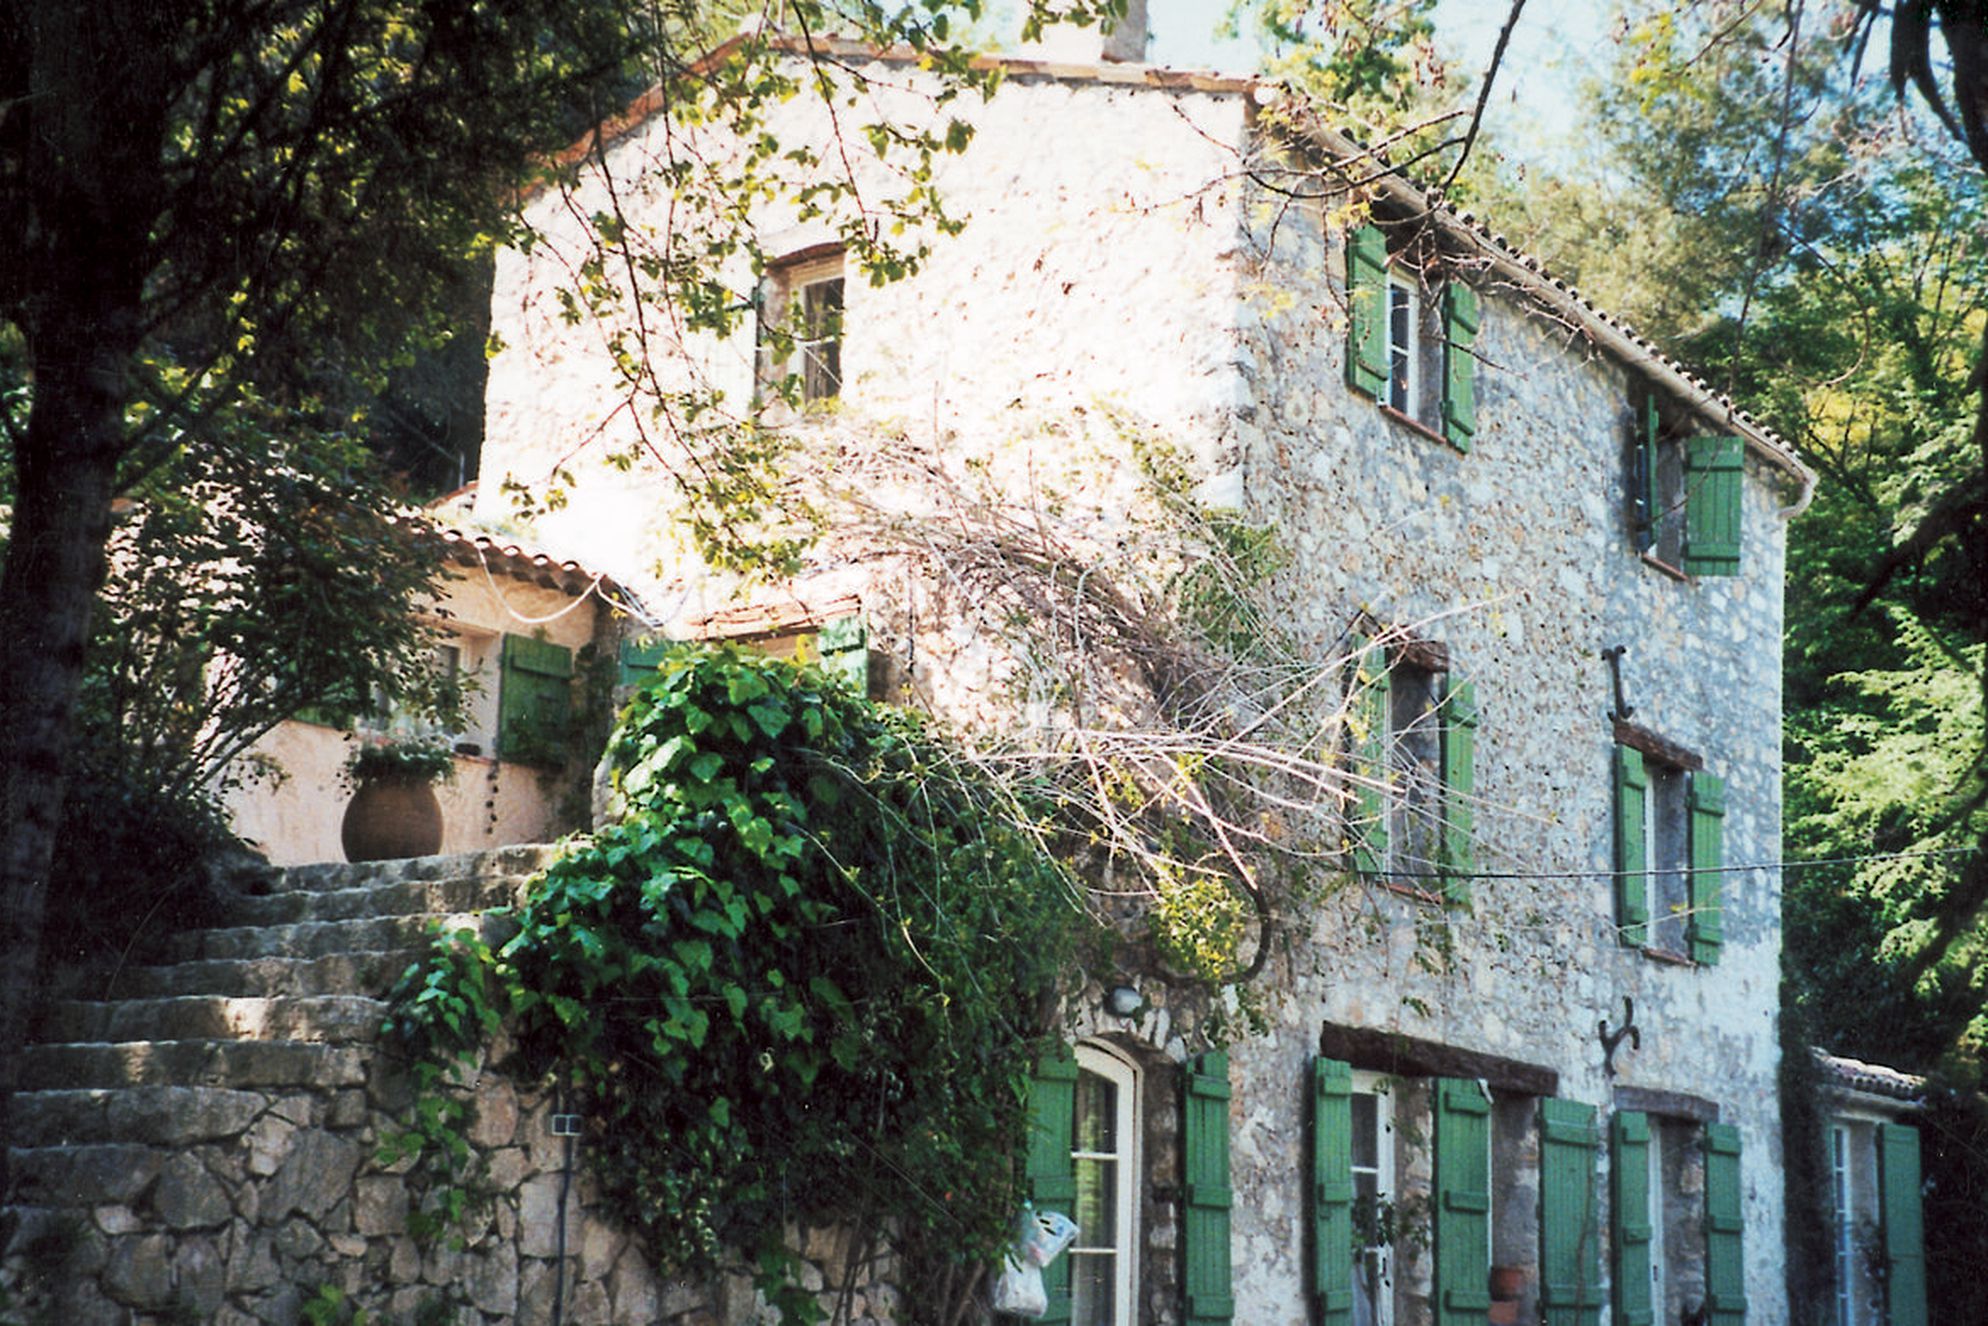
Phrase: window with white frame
x=1409 y=350
x=798 y=343
x=1843 y=1218
x=1372 y=1106
x=1658 y=1193
x=1104 y=1162
x=1404 y=343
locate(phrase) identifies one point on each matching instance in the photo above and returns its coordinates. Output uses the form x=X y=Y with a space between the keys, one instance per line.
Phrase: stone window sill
x=1414 y=425
x=1675 y=573
x=1414 y=893
x=1666 y=955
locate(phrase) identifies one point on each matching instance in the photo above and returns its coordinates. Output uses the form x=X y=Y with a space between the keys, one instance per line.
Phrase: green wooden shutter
x=1460 y=321
x=534 y=700
x=1368 y=831
x=1904 y=1233
x=1205 y=1226
x=1458 y=858
x=845 y=652
x=1705 y=932
x=1632 y=882
x=1462 y=1289
x=1632 y=1211
x=1645 y=502
x=1332 y=1190
x=639 y=660
x=1712 y=479
x=1366 y=311
x=1569 y=1227
x=1052 y=1182
x=1725 y=1262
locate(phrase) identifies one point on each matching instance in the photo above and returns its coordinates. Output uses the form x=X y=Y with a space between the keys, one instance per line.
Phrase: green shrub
x=803 y=981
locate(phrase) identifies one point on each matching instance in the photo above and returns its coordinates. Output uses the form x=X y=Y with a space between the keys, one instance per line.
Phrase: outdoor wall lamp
x=1123 y=1001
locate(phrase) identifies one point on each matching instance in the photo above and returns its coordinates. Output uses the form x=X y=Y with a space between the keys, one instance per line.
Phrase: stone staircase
x=156 y=1122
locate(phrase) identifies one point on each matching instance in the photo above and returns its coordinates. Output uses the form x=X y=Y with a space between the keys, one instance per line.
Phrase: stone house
x=1516 y=1062
x=1523 y=1067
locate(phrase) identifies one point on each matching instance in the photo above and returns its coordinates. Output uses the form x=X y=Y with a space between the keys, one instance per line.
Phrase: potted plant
x=393 y=811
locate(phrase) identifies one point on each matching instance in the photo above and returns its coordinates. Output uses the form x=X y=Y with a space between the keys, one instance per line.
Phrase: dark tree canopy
x=204 y=202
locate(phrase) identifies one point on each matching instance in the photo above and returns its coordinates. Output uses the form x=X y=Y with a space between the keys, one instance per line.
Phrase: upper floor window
x=1684 y=497
x=1414 y=726
x=798 y=338
x=1412 y=353
x=1669 y=848
x=1404 y=345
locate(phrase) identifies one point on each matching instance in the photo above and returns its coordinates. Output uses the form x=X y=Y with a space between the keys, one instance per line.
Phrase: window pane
x=1401 y=322
x=1366 y=1141
x=1368 y=1290
x=1097 y=1203
x=1097 y=1114
x=821 y=334
x=1092 y=1300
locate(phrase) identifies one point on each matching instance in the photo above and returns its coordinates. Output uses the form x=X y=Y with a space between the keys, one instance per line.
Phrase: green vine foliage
x=803 y=981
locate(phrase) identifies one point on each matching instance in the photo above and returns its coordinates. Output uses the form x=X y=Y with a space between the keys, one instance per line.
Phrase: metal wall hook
x=1611 y=1040
x=1623 y=709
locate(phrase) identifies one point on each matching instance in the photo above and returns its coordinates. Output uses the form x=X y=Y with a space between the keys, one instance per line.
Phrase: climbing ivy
x=802 y=981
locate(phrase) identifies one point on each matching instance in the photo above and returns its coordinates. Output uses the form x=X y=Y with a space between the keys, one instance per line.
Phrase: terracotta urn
x=392 y=815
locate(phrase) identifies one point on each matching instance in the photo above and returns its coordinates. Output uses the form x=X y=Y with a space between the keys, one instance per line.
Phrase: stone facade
x=1124 y=273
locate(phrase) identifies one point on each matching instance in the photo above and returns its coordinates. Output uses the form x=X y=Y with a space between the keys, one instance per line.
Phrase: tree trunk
x=66 y=470
x=99 y=81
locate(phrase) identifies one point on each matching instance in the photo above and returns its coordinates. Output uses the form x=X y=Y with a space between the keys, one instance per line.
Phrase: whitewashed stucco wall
x=294 y=819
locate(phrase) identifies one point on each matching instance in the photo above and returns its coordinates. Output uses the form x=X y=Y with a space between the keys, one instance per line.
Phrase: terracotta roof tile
x=1869 y=1079
x=511 y=556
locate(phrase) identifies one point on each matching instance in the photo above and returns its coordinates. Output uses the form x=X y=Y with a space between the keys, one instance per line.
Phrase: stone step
x=237 y=1065
x=155 y=1115
x=504 y=862
x=369 y=972
x=337 y=1018
x=310 y=939
x=108 y=1173
x=458 y=893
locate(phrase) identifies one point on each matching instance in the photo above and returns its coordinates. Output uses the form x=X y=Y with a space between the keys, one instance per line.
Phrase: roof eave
x=1564 y=301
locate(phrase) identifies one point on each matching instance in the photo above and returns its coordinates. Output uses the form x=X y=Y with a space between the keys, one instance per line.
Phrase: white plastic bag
x=1019 y=1291
x=1044 y=1234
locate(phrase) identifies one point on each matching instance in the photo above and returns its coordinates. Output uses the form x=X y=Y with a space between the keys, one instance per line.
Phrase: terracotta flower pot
x=391 y=816
x=1507 y=1282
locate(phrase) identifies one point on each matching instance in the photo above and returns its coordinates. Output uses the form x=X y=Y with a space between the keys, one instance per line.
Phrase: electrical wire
x=1794 y=864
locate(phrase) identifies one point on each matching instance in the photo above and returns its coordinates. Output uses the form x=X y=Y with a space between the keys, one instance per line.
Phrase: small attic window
x=798 y=340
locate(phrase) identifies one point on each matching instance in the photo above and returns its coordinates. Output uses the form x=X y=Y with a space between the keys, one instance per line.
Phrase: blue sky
x=1556 y=45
